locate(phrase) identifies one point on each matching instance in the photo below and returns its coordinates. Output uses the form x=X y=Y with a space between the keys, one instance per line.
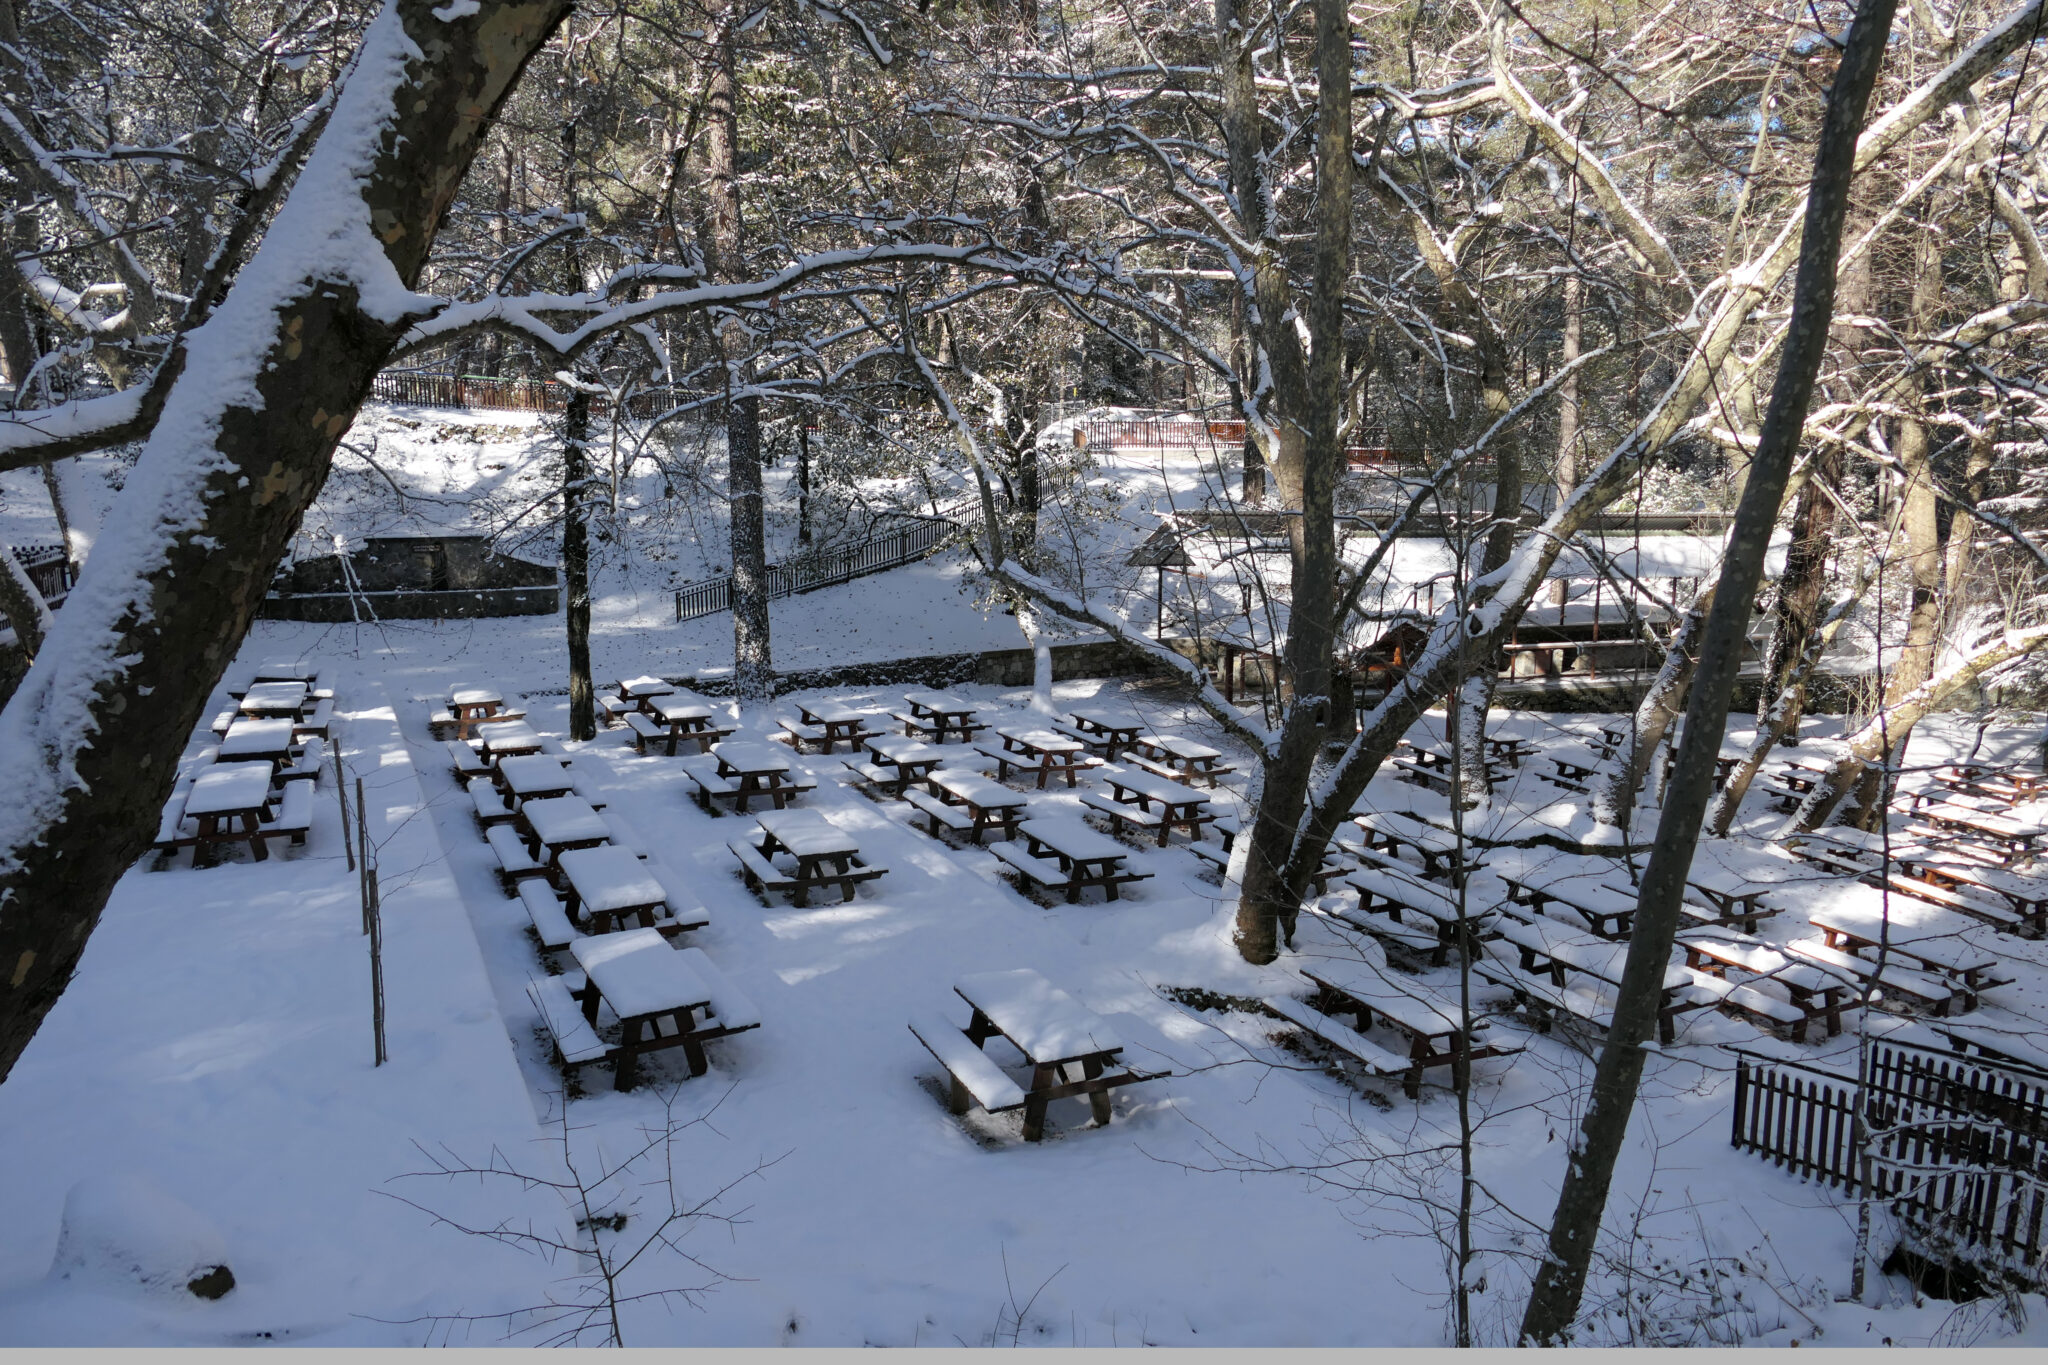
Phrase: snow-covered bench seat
x=1543 y=999
x=732 y=1011
x=1338 y=1034
x=615 y=708
x=646 y=730
x=170 y=834
x=1923 y=989
x=514 y=862
x=550 y=917
x=440 y=721
x=315 y=722
x=488 y=802
x=468 y=762
x=294 y=812
x=306 y=767
x=576 y=1042
x=1752 y=1001
x=970 y=1070
x=220 y=723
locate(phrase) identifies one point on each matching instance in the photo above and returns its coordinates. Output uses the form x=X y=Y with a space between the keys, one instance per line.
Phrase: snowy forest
x=1411 y=636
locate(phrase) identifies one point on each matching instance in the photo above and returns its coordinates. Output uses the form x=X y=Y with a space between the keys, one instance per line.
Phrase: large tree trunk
x=753 y=660
x=1268 y=901
x=1589 y=1167
x=1797 y=611
x=576 y=561
x=271 y=382
x=1662 y=704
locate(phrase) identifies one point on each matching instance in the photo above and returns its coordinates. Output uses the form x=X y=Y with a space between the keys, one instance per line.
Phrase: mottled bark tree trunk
x=753 y=660
x=576 y=562
x=278 y=373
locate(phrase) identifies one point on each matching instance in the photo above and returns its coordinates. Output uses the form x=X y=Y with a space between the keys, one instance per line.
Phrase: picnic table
x=1550 y=950
x=268 y=738
x=2026 y=897
x=894 y=762
x=825 y=855
x=1608 y=911
x=1109 y=731
x=503 y=739
x=1389 y=894
x=1082 y=857
x=966 y=802
x=1510 y=751
x=223 y=796
x=662 y=997
x=643 y=688
x=1052 y=1032
x=1428 y=1022
x=554 y=825
x=469 y=707
x=1735 y=899
x=1923 y=935
x=273 y=699
x=1438 y=847
x=533 y=777
x=741 y=770
x=1815 y=994
x=674 y=718
x=827 y=724
x=1183 y=759
x=939 y=714
x=605 y=886
x=1037 y=750
x=2012 y=838
x=1135 y=795
x=285 y=670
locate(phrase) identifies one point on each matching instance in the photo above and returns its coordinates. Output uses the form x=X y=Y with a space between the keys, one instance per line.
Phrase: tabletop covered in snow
x=228 y=789
x=638 y=973
x=609 y=878
x=1045 y=1023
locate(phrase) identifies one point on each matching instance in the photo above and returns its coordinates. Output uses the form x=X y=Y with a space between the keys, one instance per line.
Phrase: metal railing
x=823 y=568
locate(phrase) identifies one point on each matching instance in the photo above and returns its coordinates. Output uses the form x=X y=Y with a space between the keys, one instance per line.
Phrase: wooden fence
x=822 y=569
x=1955 y=1148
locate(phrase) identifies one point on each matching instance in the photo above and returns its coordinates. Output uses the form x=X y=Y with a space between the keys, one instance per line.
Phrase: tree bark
x=752 y=656
x=1662 y=704
x=1575 y=1226
x=244 y=443
x=576 y=561
x=1268 y=902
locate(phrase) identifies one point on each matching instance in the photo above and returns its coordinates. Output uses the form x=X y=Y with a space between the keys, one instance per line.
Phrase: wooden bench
x=306 y=767
x=646 y=730
x=1751 y=1001
x=576 y=1041
x=170 y=825
x=514 y=862
x=969 y=1071
x=294 y=812
x=954 y=818
x=760 y=875
x=550 y=919
x=1928 y=992
x=318 y=721
x=1543 y=1000
x=489 y=804
x=1310 y=1020
x=468 y=762
x=1399 y=894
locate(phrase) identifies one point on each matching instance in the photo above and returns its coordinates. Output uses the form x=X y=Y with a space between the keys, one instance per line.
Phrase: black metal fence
x=49 y=568
x=822 y=569
x=1954 y=1147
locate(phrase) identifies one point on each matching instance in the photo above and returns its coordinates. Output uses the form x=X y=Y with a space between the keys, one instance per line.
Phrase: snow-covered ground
x=215 y=1048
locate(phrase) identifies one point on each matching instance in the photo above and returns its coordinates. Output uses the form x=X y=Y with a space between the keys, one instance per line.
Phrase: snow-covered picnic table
x=1050 y=1028
x=1036 y=749
x=967 y=802
x=558 y=824
x=827 y=724
x=2012 y=836
x=222 y=796
x=643 y=687
x=285 y=670
x=939 y=714
x=257 y=737
x=825 y=855
x=1061 y=853
x=1180 y=758
x=1135 y=795
x=1608 y=911
x=658 y=992
x=273 y=699
x=1104 y=729
x=1439 y=848
x=1551 y=949
x=534 y=777
x=894 y=762
x=674 y=718
x=606 y=885
x=1925 y=935
x=1814 y=994
x=1428 y=1022
x=739 y=770
x=508 y=739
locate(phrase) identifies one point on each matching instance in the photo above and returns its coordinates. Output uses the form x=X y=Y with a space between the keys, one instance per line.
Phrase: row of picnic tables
x=270 y=739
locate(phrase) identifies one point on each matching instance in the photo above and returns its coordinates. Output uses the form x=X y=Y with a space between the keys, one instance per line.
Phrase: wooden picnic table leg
x=1034 y=1102
x=1418 y=1057
x=254 y=826
x=693 y=1050
x=629 y=1055
x=957 y=1099
x=1098 y=1100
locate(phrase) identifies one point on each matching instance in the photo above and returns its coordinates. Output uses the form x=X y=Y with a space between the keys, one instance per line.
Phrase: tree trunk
x=1797 y=610
x=1662 y=704
x=576 y=561
x=1268 y=902
x=803 y=480
x=1589 y=1168
x=271 y=383
x=1567 y=474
